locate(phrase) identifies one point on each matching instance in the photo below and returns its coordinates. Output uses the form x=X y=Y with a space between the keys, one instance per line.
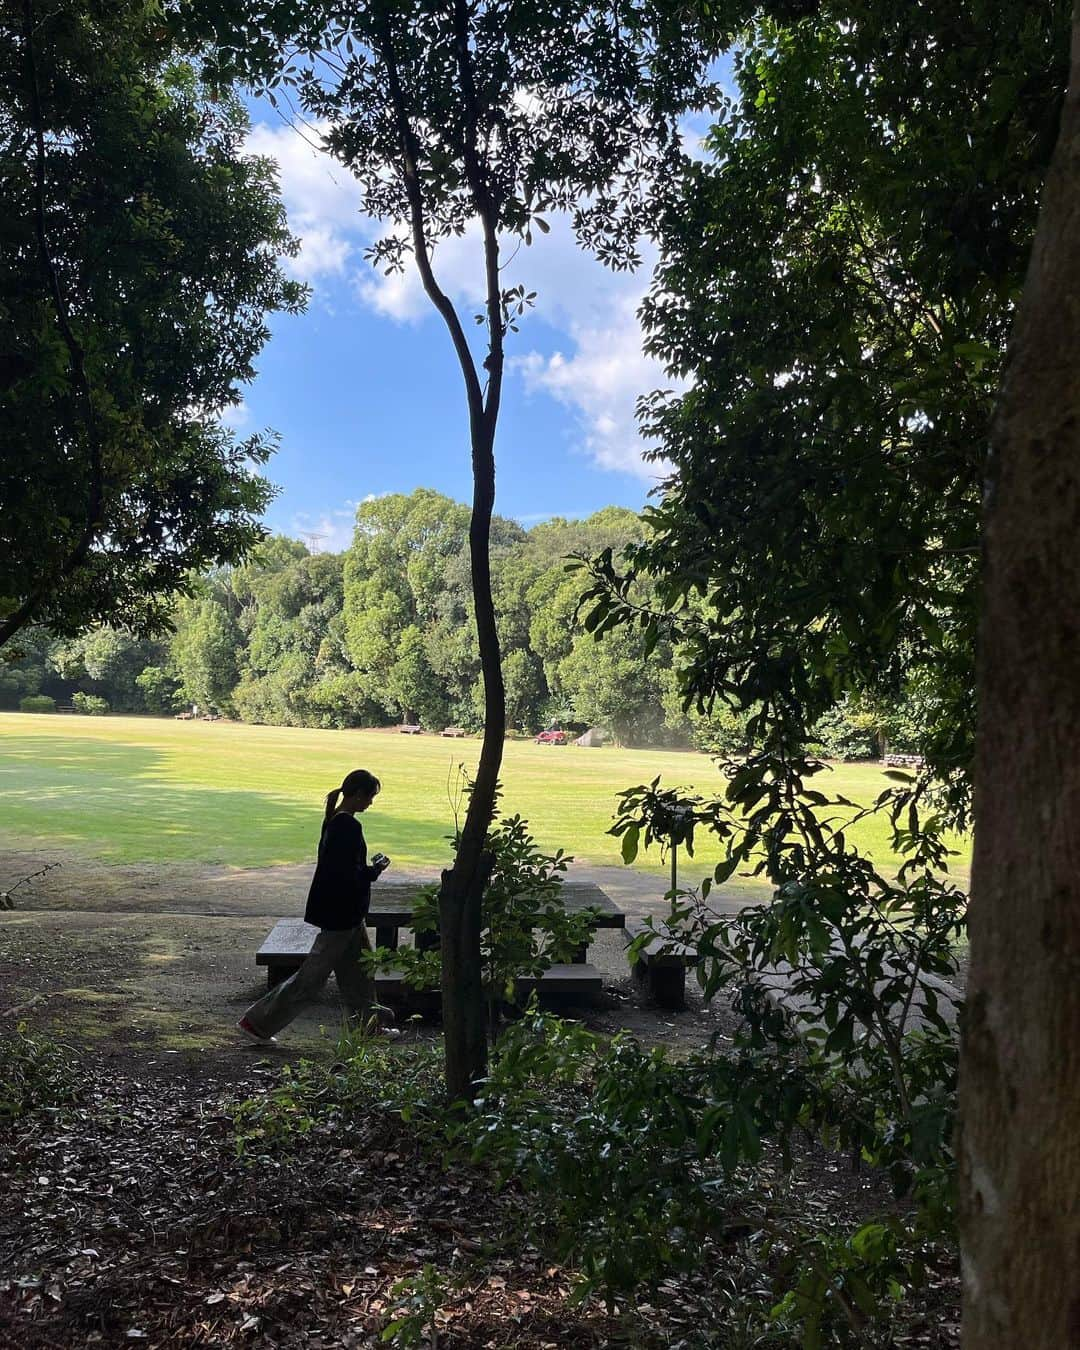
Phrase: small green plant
x=281 y=1116
x=90 y=704
x=364 y=1073
x=526 y=927
x=419 y=1297
x=846 y=1282
x=37 y=703
x=628 y=1149
x=35 y=1074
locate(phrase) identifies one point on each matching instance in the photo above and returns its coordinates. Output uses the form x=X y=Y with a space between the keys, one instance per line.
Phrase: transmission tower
x=313 y=540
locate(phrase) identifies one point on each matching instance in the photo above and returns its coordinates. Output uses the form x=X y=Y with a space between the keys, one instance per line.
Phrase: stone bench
x=661 y=964
x=287 y=946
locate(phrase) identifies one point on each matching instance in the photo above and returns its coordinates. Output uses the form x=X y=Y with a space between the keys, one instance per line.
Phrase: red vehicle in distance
x=552 y=738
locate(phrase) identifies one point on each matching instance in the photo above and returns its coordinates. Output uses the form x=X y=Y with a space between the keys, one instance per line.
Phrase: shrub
x=159 y=692
x=33 y=1073
x=526 y=928
x=847 y=733
x=37 y=703
x=90 y=704
x=314 y=1097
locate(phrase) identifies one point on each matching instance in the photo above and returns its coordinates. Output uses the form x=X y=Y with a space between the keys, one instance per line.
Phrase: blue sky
x=366 y=394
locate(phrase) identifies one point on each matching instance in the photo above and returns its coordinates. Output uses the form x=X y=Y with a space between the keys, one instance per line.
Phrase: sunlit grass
x=131 y=789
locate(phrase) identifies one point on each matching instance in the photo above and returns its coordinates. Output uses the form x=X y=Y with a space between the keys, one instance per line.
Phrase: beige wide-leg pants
x=331 y=951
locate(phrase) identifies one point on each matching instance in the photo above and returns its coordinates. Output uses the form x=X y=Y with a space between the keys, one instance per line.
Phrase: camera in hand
x=380 y=860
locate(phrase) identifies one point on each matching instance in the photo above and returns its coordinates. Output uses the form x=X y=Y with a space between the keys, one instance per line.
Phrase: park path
x=84 y=891
x=91 y=885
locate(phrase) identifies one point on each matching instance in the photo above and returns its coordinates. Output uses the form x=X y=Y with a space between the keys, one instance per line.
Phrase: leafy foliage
x=383 y=632
x=641 y=1159
x=364 y=1073
x=140 y=260
x=838 y=278
x=35 y=1073
x=526 y=929
x=90 y=704
x=37 y=703
x=419 y=1297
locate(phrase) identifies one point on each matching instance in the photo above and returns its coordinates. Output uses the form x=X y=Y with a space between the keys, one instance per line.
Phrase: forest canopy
x=383 y=633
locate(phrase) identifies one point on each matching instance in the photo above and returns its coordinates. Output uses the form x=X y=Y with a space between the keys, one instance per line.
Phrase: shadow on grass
x=118 y=803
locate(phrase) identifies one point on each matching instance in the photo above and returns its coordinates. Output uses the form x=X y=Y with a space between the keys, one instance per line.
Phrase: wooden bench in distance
x=662 y=965
x=453 y=731
x=289 y=942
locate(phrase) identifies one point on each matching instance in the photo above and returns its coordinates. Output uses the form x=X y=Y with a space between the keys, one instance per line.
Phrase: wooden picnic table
x=393 y=906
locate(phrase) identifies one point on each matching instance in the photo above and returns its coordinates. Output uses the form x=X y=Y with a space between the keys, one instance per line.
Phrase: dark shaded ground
x=163 y=958
x=131 y=1220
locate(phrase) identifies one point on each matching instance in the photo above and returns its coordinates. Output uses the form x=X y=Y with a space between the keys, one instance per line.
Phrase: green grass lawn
x=129 y=789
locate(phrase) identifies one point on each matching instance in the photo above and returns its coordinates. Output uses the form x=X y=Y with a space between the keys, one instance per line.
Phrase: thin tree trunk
x=1020 y=1075
x=462 y=893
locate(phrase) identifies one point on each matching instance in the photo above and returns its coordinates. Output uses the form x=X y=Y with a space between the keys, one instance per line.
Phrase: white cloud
x=602 y=371
x=601 y=381
x=328 y=532
x=235 y=416
x=322 y=199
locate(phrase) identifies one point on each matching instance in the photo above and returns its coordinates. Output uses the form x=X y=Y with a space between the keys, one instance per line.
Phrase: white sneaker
x=254 y=1036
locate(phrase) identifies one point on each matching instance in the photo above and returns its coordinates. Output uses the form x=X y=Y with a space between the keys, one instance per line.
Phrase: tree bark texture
x=462 y=895
x=1020 y=1067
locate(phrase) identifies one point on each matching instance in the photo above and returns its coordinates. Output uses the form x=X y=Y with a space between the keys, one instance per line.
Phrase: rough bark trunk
x=1020 y=1077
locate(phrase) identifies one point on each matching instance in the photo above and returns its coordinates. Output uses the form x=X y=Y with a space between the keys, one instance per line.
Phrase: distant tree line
x=383 y=633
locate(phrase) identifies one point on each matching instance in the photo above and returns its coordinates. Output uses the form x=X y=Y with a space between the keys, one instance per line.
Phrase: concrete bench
x=287 y=946
x=661 y=964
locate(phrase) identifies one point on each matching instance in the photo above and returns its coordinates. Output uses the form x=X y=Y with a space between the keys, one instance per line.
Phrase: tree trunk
x=462 y=894
x=1020 y=1074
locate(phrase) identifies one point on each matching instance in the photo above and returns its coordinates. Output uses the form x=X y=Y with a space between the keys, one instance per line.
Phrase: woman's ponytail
x=357 y=781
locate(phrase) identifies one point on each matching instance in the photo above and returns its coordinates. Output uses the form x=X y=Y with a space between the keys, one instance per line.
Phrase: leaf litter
x=130 y=1219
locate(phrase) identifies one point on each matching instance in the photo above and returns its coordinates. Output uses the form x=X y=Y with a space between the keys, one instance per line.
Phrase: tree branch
x=487 y=209
x=414 y=192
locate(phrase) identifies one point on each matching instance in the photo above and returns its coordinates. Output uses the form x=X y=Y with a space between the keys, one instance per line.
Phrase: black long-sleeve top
x=340 y=893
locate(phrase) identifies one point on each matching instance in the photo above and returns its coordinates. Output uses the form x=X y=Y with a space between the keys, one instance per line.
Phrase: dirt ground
x=158 y=962
x=130 y=1217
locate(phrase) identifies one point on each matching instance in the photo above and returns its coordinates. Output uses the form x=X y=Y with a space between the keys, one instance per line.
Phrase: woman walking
x=337 y=904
